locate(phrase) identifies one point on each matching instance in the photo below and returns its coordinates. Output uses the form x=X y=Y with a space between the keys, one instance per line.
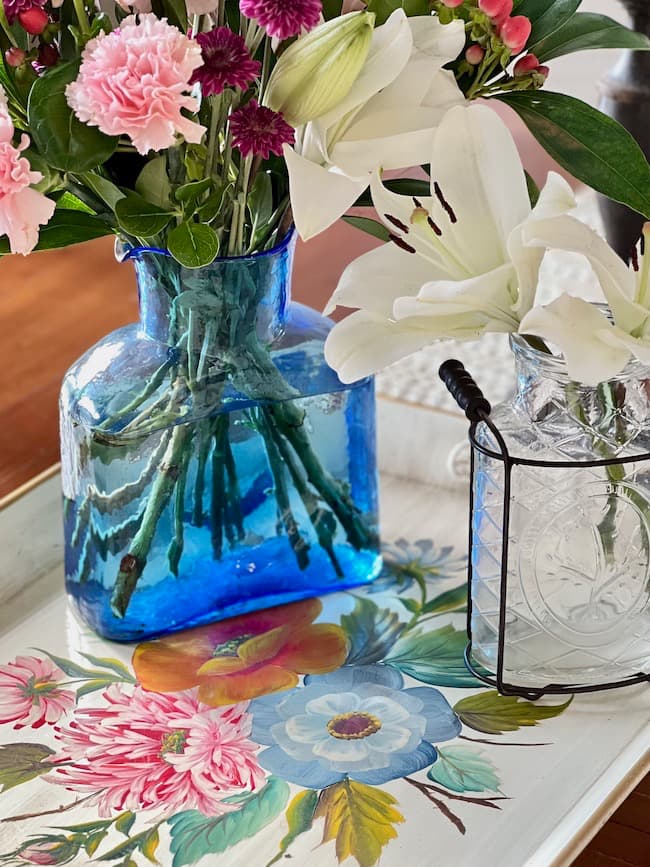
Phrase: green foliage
x=546 y=17
x=153 y=183
x=193 y=244
x=102 y=188
x=494 y=714
x=384 y=8
x=20 y=763
x=533 y=190
x=594 y=148
x=585 y=31
x=146 y=842
x=124 y=822
x=300 y=816
x=370 y=227
x=463 y=769
x=65 y=142
x=435 y=658
x=138 y=217
x=195 y=835
x=450 y=600
x=417 y=187
x=371 y=631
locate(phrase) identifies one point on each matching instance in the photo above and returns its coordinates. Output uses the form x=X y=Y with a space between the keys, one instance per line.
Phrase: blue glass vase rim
x=279 y=248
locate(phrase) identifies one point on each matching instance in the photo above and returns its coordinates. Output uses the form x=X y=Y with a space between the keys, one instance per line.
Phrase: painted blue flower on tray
x=406 y=562
x=357 y=722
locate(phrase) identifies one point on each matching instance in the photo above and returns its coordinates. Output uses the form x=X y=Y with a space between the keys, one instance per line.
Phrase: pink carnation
x=134 y=82
x=283 y=18
x=29 y=687
x=169 y=752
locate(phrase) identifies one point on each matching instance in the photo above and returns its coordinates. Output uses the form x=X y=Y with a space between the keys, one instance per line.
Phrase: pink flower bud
x=496 y=8
x=15 y=57
x=49 y=852
x=452 y=4
x=515 y=32
x=33 y=20
x=474 y=54
x=543 y=70
x=526 y=65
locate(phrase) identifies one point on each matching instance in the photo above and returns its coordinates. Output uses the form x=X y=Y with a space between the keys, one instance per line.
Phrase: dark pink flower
x=13 y=8
x=283 y=18
x=226 y=62
x=166 y=752
x=259 y=130
x=30 y=694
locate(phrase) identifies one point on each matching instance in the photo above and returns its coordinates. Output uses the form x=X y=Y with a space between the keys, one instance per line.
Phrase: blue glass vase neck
x=219 y=305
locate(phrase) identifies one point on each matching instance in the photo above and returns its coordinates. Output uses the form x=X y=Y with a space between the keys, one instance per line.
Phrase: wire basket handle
x=464 y=390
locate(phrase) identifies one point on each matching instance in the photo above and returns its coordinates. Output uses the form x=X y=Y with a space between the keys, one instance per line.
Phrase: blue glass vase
x=212 y=462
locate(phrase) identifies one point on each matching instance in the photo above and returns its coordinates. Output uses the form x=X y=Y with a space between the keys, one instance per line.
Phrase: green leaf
x=533 y=190
x=65 y=228
x=300 y=816
x=370 y=227
x=69 y=202
x=20 y=763
x=383 y=9
x=493 y=714
x=586 y=31
x=95 y=685
x=112 y=664
x=150 y=844
x=65 y=142
x=435 y=657
x=451 y=600
x=546 y=17
x=124 y=822
x=332 y=9
x=462 y=769
x=411 y=605
x=193 y=244
x=153 y=183
x=402 y=186
x=194 y=835
x=102 y=188
x=594 y=148
x=192 y=191
x=140 y=218
x=92 y=843
x=72 y=669
x=371 y=631
x=127 y=847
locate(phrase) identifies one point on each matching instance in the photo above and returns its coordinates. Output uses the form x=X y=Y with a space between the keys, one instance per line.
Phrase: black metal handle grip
x=464 y=390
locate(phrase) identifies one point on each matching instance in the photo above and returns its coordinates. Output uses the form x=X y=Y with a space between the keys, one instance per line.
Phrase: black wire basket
x=471 y=400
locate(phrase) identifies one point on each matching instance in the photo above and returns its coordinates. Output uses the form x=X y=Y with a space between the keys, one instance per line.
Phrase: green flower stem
x=176 y=546
x=218 y=490
x=133 y=563
x=5 y=26
x=234 y=493
x=152 y=385
x=298 y=544
x=205 y=442
x=82 y=16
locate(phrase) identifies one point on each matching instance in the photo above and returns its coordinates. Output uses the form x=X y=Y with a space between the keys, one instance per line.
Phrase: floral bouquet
x=199 y=133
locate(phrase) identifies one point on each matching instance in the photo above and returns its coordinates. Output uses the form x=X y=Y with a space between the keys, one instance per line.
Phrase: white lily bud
x=317 y=71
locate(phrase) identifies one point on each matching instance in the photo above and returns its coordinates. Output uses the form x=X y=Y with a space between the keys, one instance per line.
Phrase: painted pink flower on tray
x=169 y=752
x=30 y=692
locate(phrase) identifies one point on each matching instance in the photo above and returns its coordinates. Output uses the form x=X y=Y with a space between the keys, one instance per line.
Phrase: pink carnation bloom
x=134 y=82
x=259 y=130
x=283 y=18
x=226 y=62
x=170 y=752
x=29 y=687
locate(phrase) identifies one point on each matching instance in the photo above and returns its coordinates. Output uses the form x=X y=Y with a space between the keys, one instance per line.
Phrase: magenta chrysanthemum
x=134 y=82
x=283 y=18
x=226 y=62
x=13 y=8
x=167 y=752
x=259 y=130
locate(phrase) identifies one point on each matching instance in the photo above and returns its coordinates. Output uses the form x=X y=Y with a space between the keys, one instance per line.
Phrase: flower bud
x=56 y=850
x=15 y=57
x=33 y=20
x=515 y=32
x=496 y=8
x=525 y=65
x=474 y=54
x=317 y=71
x=452 y=4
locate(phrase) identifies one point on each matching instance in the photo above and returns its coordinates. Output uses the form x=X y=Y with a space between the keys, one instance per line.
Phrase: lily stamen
x=445 y=204
x=397 y=223
x=401 y=243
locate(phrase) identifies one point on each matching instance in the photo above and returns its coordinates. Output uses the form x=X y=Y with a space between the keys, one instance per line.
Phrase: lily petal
x=475 y=162
x=364 y=343
x=377 y=278
x=587 y=339
x=616 y=279
x=319 y=196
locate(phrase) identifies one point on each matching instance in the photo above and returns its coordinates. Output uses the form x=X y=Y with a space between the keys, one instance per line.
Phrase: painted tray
x=337 y=730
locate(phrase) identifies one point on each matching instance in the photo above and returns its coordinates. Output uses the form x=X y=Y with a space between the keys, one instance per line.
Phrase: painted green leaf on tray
x=360 y=819
x=20 y=763
x=300 y=815
x=451 y=600
x=493 y=714
x=463 y=769
x=435 y=657
x=371 y=630
x=195 y=835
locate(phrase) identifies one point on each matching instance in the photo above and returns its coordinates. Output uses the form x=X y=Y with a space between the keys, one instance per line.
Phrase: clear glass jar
x=578 y=588
x=212 y=462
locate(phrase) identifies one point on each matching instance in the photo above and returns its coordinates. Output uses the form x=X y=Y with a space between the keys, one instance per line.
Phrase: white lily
x=457 y=266
x=386 y=119
x=595 y=347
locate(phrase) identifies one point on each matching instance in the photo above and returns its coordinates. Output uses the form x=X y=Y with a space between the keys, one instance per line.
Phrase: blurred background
x=55 y=305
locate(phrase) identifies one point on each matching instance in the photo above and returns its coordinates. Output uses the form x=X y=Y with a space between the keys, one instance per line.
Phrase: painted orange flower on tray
x=244 y=657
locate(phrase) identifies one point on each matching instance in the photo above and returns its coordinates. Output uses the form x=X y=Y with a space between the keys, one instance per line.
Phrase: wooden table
x=499 y=793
